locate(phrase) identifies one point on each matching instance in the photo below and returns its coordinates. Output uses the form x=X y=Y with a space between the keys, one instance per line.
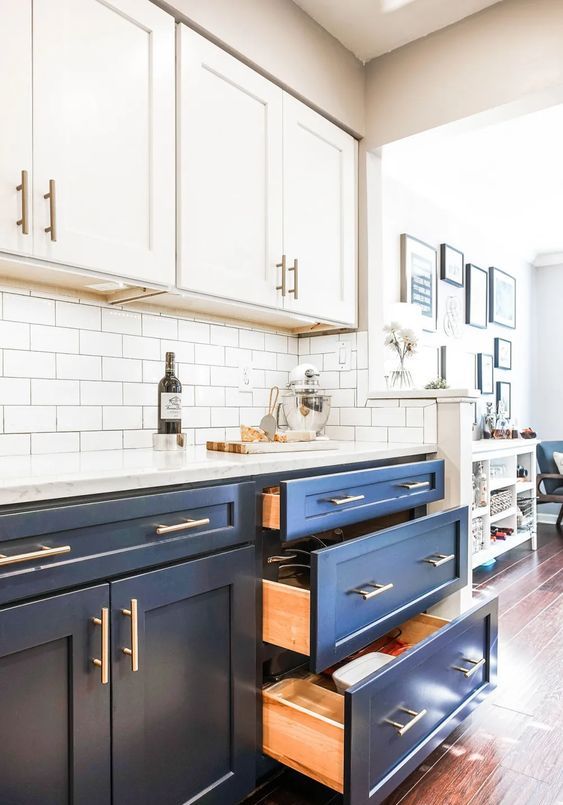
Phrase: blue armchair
x=550 y=481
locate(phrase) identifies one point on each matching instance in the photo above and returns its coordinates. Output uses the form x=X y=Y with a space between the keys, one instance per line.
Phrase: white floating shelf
x=503 y=515
x=501 y=483
x=500 y=547
x=482 y=512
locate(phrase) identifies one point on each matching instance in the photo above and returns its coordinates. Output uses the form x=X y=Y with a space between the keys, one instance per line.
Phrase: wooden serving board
x=248 y=448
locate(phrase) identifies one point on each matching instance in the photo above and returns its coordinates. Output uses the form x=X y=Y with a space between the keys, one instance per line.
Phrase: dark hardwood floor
x=510 y=750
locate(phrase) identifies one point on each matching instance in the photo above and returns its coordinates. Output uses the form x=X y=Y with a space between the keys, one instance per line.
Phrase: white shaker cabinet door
x=230 y=175
x=319 y=215
x=15 y=127
x=104 y=136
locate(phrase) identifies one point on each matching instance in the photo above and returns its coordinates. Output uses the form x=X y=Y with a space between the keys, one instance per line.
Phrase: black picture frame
x=449 y=254
x=419 y=279
x=504 y=392
x=485 y=373
x=500 y=359
x=476 y=286
x=502 y=298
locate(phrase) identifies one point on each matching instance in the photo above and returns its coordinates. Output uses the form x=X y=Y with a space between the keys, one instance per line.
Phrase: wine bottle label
x=171 y=406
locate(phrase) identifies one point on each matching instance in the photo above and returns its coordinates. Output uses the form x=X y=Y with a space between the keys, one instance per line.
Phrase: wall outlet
x=245 y=377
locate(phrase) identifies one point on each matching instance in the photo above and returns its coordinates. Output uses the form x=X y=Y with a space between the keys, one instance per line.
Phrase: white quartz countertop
x=45 y=477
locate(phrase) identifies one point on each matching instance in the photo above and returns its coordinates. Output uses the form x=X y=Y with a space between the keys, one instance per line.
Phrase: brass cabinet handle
x=414 y=484
x=475 y=665
x=24 y=187
x=346 y=499
x=43 y=553
x=378 y=589
x=169 y=529
x=133 y=652
x=283 y=266
x=403 y=728
x=295 y=269
x=103 y=663
x=52 y=196
x=438 y=559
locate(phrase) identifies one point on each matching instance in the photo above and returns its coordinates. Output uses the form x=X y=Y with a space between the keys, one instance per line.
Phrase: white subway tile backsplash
x=79 y=417
x=275 y=343
x=203 y=435
x=136 y=438
x=19 y=363
x=414 y=435
x=14 y=335
x=26 y=418
x=250 y=339
x=83 y=317
x=209 y=354
x=55 y=442
x=415 y=417
x=29 y=309
x=139 y=394
x=137 y=346
x=160 y=327
x=95 y=343
x=342 y=434
x=122 y=417
x=362 y=350
x=386 y=417
x=286 y=362
x=53 y=339
x=224 y=336
x=355 y=416
x=150 y=417
x=78 y=367
x=197 y=332
x=125 y=369
x=15 y=445
x=371 y=434
x=235 y=398
x=234 y=356
x=193 y=417
x=115 y=320
x=264 y=360
x=55 y=392
x=15 y=391
x=152 y=371
x=225 y=417
x=183 y=351
x=101 y=440
x=209 y=395
x=344 y=398
x=101 y=392
x=224 y=376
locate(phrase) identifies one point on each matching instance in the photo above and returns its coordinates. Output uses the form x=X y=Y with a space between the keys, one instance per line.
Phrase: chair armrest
x=548 y=476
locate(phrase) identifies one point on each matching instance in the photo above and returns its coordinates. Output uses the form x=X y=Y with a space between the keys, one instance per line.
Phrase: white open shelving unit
x=510 y=500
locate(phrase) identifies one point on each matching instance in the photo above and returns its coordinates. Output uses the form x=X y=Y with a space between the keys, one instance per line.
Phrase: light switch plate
x=343 y=356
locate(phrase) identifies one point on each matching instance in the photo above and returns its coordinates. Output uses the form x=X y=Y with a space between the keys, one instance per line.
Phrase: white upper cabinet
x=230 y=175
x=104 y=136
x=15 y=126
x=319 y=215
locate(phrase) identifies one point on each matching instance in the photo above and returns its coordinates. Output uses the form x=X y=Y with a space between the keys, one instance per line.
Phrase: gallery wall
x=404 y=211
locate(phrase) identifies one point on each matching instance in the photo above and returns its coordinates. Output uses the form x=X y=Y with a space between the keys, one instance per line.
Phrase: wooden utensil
x=268 y=423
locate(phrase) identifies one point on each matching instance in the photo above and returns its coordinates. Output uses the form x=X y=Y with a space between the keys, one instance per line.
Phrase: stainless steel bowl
x=306 y=410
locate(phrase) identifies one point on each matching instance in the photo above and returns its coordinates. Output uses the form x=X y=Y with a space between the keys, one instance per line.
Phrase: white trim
x=548 y=519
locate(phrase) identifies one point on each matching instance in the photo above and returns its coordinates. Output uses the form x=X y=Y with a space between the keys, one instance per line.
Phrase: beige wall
x=510 y=50
x=283 y=42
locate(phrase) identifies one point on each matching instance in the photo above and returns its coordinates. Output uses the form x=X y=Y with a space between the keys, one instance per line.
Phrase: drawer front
x=362 y=588
x=384 y=742
x=323 y=502
x=45 y=549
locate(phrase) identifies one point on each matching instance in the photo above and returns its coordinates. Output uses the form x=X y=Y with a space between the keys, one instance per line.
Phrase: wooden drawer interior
x=303 y=718
x=286 y=616
x=271 y=507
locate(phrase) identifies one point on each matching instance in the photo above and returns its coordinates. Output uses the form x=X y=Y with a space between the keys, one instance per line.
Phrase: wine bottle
x=170 y=399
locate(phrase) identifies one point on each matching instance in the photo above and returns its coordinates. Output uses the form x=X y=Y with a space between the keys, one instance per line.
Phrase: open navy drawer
x=308 y=505
x=44 y=549
x=365 y=742
x=361 y=588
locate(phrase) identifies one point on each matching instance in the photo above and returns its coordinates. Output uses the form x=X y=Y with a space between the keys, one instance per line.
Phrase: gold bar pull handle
x=133 y=652
x=438 y=559
x=377 y=590
x=403 y=728
x=24 y=187
x=103 y=663
x=52 y=196
x=295 y=269
x=187 y=524
x=346 y=499
x=283 y=266
x=414 y=484
x=475 y=665
x=43 y=553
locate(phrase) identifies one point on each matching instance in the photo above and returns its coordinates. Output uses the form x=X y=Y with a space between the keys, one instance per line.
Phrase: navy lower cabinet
x=367 y=741
x=55 y=737
x=183 y=682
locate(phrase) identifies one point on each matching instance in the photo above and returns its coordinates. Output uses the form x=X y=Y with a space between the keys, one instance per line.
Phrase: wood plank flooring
x=510 y=750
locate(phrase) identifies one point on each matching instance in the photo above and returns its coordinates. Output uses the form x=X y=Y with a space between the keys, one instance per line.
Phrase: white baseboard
x=548 y=519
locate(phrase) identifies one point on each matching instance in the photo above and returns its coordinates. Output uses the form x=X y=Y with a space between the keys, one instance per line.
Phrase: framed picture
x=504 y=395
x=503 y=353
x=502 y=298
x=418 y=278
x=451 y=265
x=485 y=382
x=476 y=286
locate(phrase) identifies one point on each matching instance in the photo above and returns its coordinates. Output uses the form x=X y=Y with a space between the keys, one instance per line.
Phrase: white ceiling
x=506 y=177
x=371 y=27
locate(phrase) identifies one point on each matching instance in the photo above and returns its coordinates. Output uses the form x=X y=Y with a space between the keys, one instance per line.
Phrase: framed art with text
x=476 y=297
x=418 y=278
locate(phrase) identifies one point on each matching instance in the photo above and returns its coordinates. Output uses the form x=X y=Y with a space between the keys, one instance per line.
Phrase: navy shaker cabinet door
x=54 y=710
x=184 y=694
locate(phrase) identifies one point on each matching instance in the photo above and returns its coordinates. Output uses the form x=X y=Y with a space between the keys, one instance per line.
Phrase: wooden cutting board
x=249 y=448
